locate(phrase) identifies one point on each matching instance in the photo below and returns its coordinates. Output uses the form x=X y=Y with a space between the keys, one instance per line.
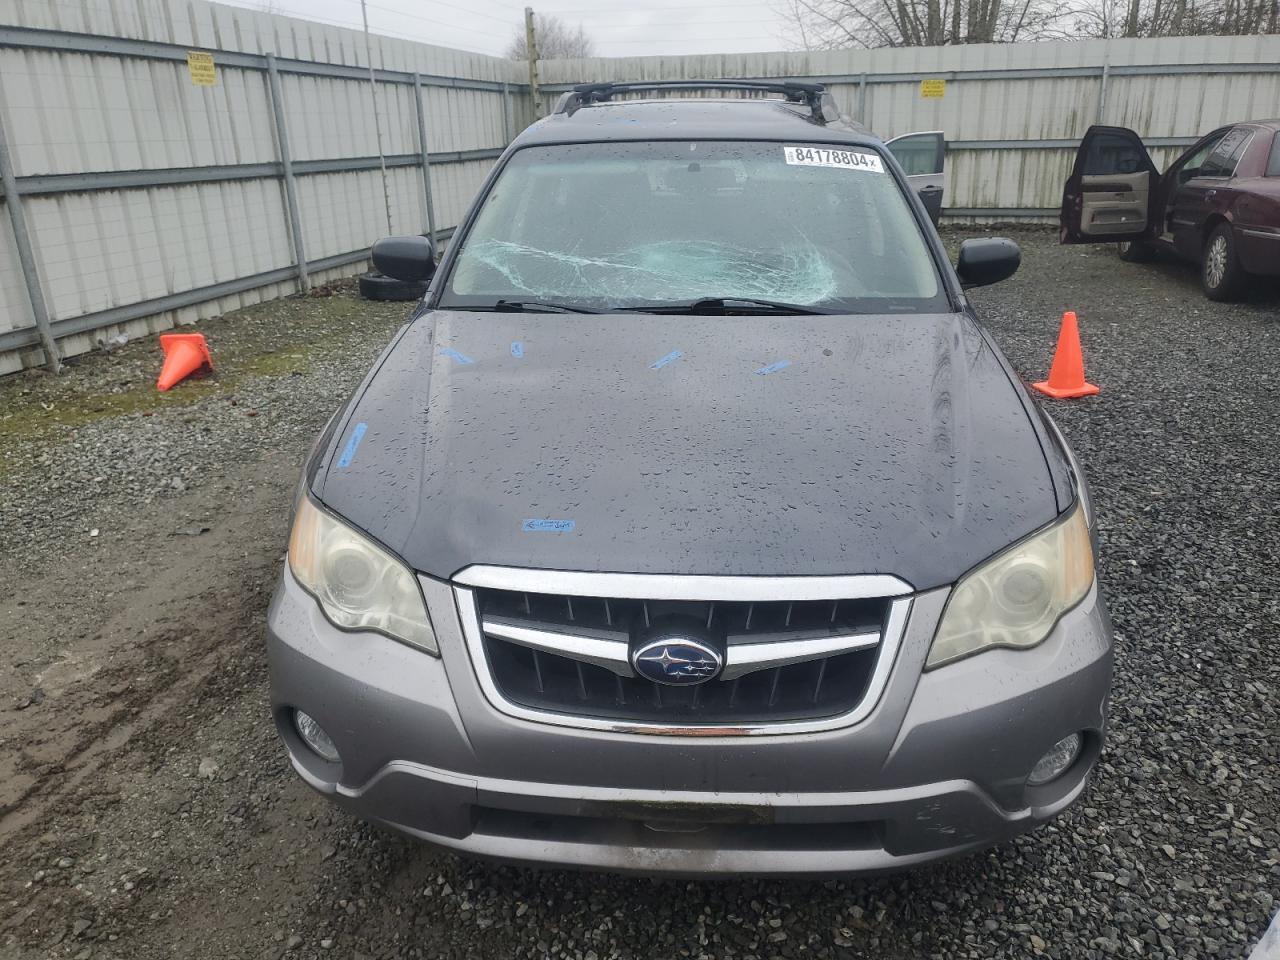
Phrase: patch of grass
x=50 y=413
x=273 y=339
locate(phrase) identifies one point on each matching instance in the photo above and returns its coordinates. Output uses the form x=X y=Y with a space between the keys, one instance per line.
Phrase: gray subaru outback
x=693 y=524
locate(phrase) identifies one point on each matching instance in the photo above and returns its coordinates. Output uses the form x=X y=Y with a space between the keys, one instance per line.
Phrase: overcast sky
x=619 y=27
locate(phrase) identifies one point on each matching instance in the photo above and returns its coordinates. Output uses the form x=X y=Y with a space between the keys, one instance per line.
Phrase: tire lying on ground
x=376 y=286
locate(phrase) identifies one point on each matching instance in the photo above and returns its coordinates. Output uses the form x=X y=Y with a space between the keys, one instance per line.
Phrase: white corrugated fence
x=149 y=200
x=1013 y=115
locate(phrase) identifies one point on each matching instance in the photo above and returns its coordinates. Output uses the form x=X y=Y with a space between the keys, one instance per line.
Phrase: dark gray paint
x=889 y=444
x=899 y=444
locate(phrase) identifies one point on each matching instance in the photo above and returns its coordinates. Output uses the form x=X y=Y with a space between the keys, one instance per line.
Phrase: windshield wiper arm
x=533 y=306
x=724 y=305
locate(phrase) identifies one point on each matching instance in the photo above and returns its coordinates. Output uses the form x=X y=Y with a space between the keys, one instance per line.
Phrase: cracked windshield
x=636 y=225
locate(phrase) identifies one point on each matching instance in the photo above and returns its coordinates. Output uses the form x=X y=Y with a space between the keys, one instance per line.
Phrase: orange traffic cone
x=1066 y=376
x=184 y=354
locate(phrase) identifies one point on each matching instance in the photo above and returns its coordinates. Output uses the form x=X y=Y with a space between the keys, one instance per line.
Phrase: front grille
x=647 y=833
x=558 y=681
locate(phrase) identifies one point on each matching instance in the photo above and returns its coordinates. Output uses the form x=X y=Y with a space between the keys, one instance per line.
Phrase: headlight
x=1016 y=598
x=358 y=584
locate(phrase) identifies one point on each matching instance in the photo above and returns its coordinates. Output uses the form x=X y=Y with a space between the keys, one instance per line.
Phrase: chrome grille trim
x=641 y=586
x=744 y=658
x=608 y=649
x=653 y=586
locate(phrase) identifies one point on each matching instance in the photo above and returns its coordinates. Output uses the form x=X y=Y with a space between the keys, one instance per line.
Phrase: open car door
x=921 y=156
x=1107 y=197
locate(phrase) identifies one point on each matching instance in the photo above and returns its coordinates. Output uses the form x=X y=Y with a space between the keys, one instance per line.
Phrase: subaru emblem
x=677 y=661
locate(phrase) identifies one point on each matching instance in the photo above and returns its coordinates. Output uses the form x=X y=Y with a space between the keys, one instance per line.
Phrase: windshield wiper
x=725 y=305
x=533 y=306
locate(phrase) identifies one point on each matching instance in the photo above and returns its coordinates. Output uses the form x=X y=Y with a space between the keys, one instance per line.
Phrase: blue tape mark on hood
x=669 y=358
x=547 y=526
x=774 y=367
x=349 y=451
x=517 y=349
x=453 y=354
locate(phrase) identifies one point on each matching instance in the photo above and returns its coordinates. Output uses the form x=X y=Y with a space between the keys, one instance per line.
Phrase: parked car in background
x=1218 y=204
x=922 y=157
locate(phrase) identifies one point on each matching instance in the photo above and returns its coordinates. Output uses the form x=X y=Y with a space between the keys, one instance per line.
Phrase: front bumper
x=938 y=768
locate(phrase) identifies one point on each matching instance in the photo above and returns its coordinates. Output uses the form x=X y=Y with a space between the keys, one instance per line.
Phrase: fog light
x=313 y=736
x=1054 y=763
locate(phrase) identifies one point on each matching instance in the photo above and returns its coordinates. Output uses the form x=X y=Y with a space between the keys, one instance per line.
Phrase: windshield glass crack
x=663 y=271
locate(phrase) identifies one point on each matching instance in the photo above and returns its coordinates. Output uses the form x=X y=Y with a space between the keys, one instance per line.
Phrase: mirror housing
x=987 y=260
x=405 y=258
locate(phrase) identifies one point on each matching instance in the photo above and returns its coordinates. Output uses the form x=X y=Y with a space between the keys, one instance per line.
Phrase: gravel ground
x=147 y=811
x=102 y=441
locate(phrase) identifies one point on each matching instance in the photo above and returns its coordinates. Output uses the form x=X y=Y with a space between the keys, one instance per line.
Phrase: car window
x=1273 y=165
x=634 y=223
x=1190 y=165
x=919 y=154
x=1112 y=153
x=1222 y=161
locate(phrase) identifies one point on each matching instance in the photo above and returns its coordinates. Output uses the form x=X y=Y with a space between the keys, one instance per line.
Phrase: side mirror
x=988 y=260
x=405 y=258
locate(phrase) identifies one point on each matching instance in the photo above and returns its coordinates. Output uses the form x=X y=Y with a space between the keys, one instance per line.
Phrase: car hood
x=823 y=445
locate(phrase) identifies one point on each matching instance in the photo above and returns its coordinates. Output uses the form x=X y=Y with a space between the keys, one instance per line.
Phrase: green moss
x=32 y=421
x=273 y=339
x=292 y=360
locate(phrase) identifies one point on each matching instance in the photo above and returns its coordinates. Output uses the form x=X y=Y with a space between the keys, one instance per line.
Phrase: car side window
x=1273 y=165
x=1112 y=153
x=1191 y=165
x=1222 y=161
x=919 y=155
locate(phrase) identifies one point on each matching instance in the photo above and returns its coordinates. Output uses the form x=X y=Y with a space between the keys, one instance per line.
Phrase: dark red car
x=1218 y=204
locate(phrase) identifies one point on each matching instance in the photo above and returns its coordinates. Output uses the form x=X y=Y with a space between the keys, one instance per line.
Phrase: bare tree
x=556 y=40
x=1172 y=18
x=833 y=24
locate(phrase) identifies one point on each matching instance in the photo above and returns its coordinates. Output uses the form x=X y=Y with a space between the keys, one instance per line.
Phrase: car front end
x=476 y=674
x=919 y=765
x=793 y=581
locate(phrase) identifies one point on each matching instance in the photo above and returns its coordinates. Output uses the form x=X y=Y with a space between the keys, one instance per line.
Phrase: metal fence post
x=426 y=162
x=26 y=256
x=862 y=98
x=286 y=162
x=506 y=113
x=1102 y=90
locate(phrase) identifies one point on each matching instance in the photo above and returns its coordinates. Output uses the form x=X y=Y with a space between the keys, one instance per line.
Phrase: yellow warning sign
x=200 y=64
x=933 y=89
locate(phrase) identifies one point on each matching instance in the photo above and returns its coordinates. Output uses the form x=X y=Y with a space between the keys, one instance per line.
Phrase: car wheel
x=1133 y=251
x=376 y=286
x=1220 y=272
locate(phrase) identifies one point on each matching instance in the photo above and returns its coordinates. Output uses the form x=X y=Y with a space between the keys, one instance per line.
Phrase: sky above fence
x=620 y=28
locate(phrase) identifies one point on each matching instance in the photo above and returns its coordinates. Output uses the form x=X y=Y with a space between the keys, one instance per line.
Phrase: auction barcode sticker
x=826 y=157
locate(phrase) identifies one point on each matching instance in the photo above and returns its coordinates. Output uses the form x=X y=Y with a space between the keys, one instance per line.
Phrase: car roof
x=702 y=118
x=1269 y=125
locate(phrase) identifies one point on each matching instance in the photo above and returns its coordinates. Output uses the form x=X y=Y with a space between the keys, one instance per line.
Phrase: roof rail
x=814 y=95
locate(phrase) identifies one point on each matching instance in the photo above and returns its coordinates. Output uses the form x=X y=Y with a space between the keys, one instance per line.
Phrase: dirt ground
x=147 y=810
